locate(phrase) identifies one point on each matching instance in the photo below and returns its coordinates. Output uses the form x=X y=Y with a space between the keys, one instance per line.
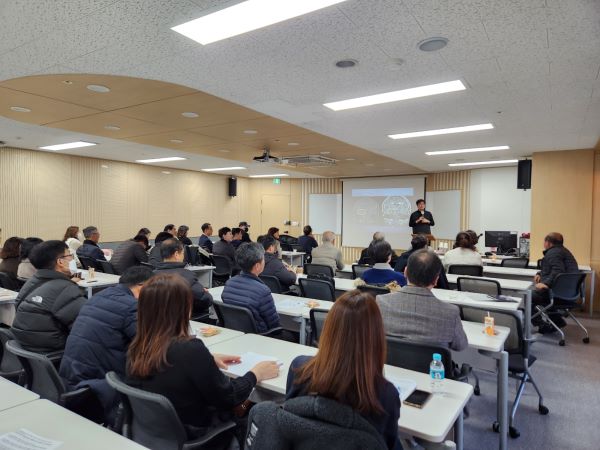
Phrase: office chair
x=415 y=355
x=479 y=285
x=240 y=319
x=519 y=263
x=313 y=269
x=10 y=366
x=272 y=283
x=105 y=266
x=317 y=289
x=373 y=290
x=358 y=270
x=87 y=262
x=317 y=320
x=464 y=269
x=9 y=282
x=222 y=271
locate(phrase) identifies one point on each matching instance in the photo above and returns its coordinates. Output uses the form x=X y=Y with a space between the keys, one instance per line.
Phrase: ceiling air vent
x=308 y=161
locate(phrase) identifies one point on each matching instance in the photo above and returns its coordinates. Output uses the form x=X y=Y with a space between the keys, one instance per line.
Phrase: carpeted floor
x=569 y=378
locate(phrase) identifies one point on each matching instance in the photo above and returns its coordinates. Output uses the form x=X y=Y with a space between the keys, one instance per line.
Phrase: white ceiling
x=532 y=67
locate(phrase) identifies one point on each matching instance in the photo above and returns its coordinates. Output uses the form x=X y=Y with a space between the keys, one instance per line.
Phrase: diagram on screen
x=395 y=210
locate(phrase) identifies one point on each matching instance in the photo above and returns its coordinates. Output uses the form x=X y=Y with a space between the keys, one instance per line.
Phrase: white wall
x=495 y=202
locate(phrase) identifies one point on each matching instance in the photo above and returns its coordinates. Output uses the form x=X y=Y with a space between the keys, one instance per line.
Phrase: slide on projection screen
x=380 y=204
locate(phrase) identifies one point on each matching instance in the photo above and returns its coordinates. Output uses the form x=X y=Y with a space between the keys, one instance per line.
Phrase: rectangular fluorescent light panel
x=275 y=175
x=404 y=94
x=68 y=145
x=481 y=163
x=479 y=127
x=219 y=169
x=156 y=160
x=468 y=150
x=247 y=16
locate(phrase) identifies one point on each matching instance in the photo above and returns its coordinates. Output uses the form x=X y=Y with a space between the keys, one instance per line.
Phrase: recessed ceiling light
x=275 y=175
x=112 y=127
x=155 y=160
x=176 y=141
x=246 y=16
x=432 y=44
x=20 y=109
x=293 y=144
x=324 y=153
x=250 y=132
x=346 y=63
x=69 y=82
x=220 y=169
x=350 y=159
x=412 y=134
x=370 y=165
x=481 y=163
x=104 y=166
x=223 y=150
x=468 y=150
x=98 y=88
x=395 y=96
x=68 y=145
x=166 y=172
x=189 y=114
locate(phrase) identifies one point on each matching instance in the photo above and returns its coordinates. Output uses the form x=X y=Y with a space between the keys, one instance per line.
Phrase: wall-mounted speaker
x=524 y=174
x=232 y=186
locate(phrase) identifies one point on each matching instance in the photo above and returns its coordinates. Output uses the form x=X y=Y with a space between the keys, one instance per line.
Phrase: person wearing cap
x=245 y=235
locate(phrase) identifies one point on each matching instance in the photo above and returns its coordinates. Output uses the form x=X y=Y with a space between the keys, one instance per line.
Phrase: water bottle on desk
x=437 y=374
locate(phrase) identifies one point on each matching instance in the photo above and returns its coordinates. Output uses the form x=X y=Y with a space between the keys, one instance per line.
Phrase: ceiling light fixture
x=481 y=163
x=221 y=169
x=432 y=44
x=68 y=82
x=346 y=63
x=246 y=16
x=112 y=127
x=68 y=145
x=98 y=88
x=395 y=96
x=324 y=153
x=275 y=175
x=350 y=159
x=468 y=150
x=250 y=132
x=104 y=166
x=412 y=134
x=293 y=144
x=189 y=114
x=155 y=160
x=223 y=150
x=21 y=109
x=166 y=172
x=176 y=141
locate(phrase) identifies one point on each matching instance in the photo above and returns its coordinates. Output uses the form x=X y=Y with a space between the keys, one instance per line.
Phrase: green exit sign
x=276 y=180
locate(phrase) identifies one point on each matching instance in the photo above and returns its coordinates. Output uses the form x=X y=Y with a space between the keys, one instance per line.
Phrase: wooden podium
x=430 y=237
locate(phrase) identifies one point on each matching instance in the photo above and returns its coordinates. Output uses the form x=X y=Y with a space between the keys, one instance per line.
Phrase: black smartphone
x=417 y=398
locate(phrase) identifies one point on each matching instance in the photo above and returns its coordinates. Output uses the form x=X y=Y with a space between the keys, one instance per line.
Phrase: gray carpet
x=569 y=378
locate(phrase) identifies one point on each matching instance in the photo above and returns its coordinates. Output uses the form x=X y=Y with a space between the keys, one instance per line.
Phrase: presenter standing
x=421 y=220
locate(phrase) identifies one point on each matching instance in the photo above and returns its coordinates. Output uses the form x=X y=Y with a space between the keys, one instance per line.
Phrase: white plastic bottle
x=437 y=374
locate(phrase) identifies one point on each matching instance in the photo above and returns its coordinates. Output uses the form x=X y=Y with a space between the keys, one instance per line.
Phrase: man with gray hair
x=90 y=248
x=367 y=258
x=327 y=254
x=248 y=291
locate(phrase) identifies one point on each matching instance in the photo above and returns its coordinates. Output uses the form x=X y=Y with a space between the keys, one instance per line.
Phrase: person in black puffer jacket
x=49 y=302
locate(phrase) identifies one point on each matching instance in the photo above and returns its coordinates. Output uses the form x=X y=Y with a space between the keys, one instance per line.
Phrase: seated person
x=236 y=240
x=225 y=248
x=173 y=254
x=90 y=248
x=557 y=259
x=49 y=302
x=182 y=232
x=274 y=232
x=171 y=229
x=165 y=359
x=129 y=254
x=248 y=291
x=418 y=242
x=154 y=256
x=274 y=266
x=463 y=253
x=100 y=336
x=382 y=272
x=415 y=313
x=353 y=325
x=204 y=240
x=327 y=254
x=245 y=235
x=26 y=269
x=307 y=241
x=365 y=254
x=10 y=256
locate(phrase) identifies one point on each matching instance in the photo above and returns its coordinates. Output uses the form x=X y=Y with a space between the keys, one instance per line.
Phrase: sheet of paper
x=249 y=360
x=288 y=303
x=404 y=385
x=26 y=440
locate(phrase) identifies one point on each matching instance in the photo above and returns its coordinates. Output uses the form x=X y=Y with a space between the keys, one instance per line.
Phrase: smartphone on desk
x=417 y=399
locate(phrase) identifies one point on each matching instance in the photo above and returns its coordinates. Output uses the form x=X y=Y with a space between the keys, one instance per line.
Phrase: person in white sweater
x=463 y=253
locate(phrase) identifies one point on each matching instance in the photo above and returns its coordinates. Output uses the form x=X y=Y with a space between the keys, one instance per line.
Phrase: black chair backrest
x=10 y=366
x=222 y=266
x=312 y=269
x=285 y=246
x=568 y=286
x=105 y=266
x=511 y=319
x=7 y=281
x=192 y=256
x=358 y=270
x=416 y=355
x=519 y=263
x=373 y=290
x=152 y=419
x=442 y=282
x=272 y=282
x=317 y=320
x=236 y=318
x=87 y=262
x=538 y=265
x=297 y=247
x=464 y=269
x=479 y=285
x=42 y=377
x=287 y=239
x=317 y=289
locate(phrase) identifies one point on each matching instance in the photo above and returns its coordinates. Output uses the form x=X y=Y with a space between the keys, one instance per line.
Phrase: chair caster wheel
x=476 y=390
x=496 y=427
x=543 y=410
x=513 y=432
x=586 y=340
x=561 y=342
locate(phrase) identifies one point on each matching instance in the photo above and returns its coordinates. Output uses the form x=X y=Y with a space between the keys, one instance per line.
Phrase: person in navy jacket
x=382 y=272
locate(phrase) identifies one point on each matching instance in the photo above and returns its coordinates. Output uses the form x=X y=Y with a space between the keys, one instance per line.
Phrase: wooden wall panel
x=54 y=194
x=595 y=250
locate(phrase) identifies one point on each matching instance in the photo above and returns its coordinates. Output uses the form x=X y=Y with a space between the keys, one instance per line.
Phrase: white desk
x=475 y=300
x=346 y=272
x=517 y=286
x=291 y=256
x=205 y=274
x=51 y=421
x=12 y=395
x=7 y=306
x=224 y=333
x=432 y=422
x=100 y=280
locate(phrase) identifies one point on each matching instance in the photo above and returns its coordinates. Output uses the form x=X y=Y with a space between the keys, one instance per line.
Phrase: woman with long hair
x=182 y=232
x=73 y=240
x=349 y=365
x=464 y=251
x=165 y=359
x=10 y=256
x=274 y=231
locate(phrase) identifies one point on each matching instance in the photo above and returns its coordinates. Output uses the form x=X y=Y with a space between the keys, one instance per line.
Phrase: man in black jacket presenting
x=421 y=220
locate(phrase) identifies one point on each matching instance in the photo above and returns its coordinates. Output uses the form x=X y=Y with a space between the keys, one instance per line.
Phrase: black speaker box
x=524 y=174
x=232 y=186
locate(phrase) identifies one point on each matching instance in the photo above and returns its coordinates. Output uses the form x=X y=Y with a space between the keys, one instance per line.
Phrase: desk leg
x=503 y=399
x=458 y=432
x=210 y=274
x=592 y=291
x=528 y=301
x=302 y=331
x=89 y=292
